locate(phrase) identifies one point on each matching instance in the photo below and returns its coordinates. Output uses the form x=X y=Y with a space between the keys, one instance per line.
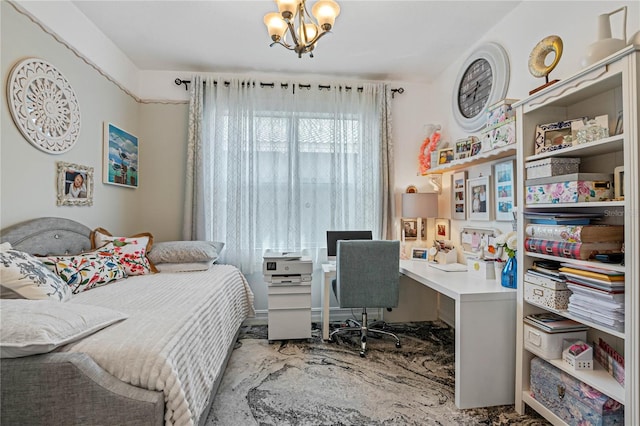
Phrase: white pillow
x=184 y=267
x=23 y=276
x=185 y=251
x=30 y=327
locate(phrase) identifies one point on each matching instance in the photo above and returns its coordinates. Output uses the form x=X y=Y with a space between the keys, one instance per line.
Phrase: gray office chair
x=367 y=276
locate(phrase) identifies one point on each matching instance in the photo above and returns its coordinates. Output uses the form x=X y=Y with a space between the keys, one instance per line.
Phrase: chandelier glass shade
x=293 y=27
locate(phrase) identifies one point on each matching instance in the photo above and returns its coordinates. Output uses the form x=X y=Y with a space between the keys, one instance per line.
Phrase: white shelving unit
x=607 y=87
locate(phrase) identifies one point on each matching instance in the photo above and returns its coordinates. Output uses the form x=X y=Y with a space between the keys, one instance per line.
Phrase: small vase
x=509 y=273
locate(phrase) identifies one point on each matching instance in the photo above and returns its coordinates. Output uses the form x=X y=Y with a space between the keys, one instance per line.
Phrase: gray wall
x=28 y=176
x=163 y=128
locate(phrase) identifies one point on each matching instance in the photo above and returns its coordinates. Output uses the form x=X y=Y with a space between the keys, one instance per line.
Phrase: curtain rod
x=180 y=82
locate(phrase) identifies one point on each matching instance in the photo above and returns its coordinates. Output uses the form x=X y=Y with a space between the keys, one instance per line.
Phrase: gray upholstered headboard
x=48 y=236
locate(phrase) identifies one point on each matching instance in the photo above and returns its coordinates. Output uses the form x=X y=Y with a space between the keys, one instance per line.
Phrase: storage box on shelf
x=500 y=112
x=577 y=354
x=548 y=345
x=546 y=292
x=570 y=399
x=572 y=188
x=500 y=135
x=607 y=89
x=548 y=167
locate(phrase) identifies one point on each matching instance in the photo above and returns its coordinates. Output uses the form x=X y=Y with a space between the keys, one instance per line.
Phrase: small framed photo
x=409 y=229
x=463 y=147
x=479 y=198
x=445 y=155
x=476 y=147
x=505 y=189
x=442 y=229
x=75 y=185
x=420 y=253
x=618 y=182
x=120 y=158
x=458 y=195
x=619 y=123
x=551 y=136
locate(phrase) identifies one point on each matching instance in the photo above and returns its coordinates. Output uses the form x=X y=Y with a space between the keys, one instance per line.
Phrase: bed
x=162 y=364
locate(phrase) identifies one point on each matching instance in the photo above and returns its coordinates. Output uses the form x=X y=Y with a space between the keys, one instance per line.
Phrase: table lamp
x=420 y=205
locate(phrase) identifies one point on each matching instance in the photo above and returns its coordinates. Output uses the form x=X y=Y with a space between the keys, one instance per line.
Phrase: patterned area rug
x=311 y=382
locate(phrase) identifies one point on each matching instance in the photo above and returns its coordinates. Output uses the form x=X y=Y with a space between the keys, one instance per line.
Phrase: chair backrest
x=368 y=273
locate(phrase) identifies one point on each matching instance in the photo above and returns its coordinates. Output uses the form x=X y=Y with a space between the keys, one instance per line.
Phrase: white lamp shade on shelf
x=419 y=205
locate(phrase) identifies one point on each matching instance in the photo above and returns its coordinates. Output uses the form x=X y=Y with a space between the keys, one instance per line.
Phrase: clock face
x=482 y=81
x=475 y=88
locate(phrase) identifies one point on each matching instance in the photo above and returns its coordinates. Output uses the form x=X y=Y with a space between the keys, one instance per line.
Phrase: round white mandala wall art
x=44 y=106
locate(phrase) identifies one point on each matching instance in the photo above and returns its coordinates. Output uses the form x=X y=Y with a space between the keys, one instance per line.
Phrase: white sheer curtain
x=274 y=167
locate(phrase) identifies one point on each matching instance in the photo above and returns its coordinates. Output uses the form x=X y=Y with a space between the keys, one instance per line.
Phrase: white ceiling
x=373 y=40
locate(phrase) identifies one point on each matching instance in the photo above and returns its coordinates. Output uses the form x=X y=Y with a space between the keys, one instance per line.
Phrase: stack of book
x=554 y=323
x=557 y=218
x=547 y=268
x=597 y=294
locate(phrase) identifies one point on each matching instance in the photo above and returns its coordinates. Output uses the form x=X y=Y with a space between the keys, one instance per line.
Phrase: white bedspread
x=175 y=340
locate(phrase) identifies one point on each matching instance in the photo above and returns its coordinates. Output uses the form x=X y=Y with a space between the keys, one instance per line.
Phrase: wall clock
x=482 y=81
x=44 y=106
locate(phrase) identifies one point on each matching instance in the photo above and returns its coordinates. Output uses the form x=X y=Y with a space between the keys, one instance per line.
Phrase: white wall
x=28 y=175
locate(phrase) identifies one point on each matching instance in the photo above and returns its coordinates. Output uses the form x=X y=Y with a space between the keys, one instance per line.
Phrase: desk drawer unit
x=289 y=311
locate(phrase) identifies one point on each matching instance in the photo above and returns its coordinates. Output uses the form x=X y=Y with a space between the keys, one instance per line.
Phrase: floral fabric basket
x=570 y=399
x=572 y=188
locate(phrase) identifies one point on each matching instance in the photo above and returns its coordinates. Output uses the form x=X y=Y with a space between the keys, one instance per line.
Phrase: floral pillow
x=23 y=276
x=87 y=270
x=131 y=252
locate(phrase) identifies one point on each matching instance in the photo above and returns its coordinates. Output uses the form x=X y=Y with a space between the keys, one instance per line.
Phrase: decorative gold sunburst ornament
x=538 y=57
x=44 y=106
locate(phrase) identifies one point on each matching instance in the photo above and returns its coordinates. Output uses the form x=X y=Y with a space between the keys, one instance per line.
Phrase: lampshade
x=325 y=12
x=287 y=8
x=275 y=25
x=295 y=29
x=419 y=204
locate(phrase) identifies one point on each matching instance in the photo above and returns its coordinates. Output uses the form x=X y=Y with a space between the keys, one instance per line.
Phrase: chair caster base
x=398 y=345
x=361 y=354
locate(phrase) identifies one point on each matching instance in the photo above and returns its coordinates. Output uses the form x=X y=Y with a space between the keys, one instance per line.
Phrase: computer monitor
x=334 y=236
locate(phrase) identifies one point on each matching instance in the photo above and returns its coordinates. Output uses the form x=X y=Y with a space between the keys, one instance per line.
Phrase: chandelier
x=303 y=32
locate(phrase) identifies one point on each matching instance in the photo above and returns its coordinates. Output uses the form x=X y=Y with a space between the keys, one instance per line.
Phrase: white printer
x=286 y=267
x=288 y=278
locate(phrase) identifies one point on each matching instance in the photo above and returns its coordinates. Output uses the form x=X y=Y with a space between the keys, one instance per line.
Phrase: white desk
x=485 y=331
x=329 y=273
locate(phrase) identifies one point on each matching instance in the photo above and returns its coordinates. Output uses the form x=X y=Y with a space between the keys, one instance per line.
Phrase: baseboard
x=336 y=314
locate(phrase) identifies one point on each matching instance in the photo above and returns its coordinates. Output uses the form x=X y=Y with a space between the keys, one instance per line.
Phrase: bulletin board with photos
x=473 y=240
